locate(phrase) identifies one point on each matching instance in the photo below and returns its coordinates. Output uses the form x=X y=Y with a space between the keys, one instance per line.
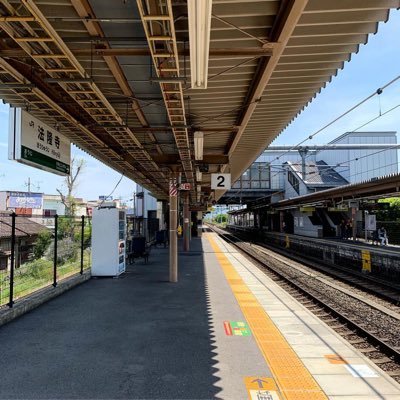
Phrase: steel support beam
x=84 y=10
x=131 y=51
x=282 y=31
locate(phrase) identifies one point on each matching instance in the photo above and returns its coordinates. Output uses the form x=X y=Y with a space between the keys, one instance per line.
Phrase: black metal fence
x=37 y=251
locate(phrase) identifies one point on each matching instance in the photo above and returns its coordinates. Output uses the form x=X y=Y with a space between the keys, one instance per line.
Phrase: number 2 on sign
x=221 y=181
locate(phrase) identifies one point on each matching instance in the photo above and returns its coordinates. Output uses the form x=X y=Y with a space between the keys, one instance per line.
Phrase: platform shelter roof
x=115 y=77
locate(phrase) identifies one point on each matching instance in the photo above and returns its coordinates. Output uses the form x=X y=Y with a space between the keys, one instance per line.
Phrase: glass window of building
x=294 y=181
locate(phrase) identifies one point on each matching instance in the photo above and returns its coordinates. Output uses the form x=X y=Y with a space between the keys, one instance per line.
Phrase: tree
x=77 y=166
x=221 y=218
x=391 y=213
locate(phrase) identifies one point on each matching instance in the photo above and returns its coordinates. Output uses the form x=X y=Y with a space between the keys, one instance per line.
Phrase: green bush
x=66 y=227
x=221 y=218
x=36 y=269
x=87 y=235
x=42 y=243
x=392 y=213
x=67 y=250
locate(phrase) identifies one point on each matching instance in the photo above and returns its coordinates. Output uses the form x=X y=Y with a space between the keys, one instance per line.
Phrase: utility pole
x=303 y=153
x=29 y=184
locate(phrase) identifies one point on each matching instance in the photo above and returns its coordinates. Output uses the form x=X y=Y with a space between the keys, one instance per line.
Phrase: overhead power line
x=375 y=93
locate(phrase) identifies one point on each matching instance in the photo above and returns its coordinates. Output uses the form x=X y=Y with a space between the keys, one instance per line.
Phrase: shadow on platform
x=136 y=337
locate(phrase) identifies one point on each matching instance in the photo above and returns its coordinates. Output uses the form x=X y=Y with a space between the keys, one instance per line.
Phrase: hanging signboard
x=370 y=222
x=221 y=181
x=25 y=200
x=184 y=186
x=36 y=144
x=307 y=209
x=338 y=209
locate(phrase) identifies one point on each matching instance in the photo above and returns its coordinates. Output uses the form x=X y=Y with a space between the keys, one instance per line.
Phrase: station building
x=292 y=172
x=146 y=216
x=278 y=173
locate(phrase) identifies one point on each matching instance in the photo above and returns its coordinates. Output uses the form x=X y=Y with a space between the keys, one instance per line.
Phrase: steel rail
x=382 y=289
x=390 y=293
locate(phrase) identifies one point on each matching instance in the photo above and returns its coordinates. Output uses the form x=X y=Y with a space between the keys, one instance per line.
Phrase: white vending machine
x=108 y=241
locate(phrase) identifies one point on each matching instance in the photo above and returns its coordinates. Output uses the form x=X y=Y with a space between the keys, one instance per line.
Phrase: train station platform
x=224 y=331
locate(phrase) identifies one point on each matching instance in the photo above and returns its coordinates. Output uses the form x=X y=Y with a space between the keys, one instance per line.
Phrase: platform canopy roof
x=115 y=76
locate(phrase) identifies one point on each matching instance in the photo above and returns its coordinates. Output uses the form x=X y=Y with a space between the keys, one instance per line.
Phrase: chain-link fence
x=36 y=252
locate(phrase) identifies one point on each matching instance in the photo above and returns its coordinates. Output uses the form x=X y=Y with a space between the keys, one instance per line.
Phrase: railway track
x=370 y=327
x=370 y=284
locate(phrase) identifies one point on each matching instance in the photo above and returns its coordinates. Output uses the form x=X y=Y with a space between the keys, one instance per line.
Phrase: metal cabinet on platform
x=108 y=241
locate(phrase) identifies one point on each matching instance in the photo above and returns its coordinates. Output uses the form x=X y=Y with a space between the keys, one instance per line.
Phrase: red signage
x=23 y=211
x=184 y=186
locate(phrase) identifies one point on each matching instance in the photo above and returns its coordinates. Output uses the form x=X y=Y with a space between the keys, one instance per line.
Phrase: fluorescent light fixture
x=199 y=13
x=198 y=145
x=199 y=175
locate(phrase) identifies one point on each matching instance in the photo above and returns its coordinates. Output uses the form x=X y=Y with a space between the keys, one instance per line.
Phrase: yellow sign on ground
x=261 y=388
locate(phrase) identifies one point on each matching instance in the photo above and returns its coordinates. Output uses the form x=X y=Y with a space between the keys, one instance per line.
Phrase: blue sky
x=375 y=64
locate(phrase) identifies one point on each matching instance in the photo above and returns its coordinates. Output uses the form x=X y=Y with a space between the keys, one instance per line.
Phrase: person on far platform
x=382 y=235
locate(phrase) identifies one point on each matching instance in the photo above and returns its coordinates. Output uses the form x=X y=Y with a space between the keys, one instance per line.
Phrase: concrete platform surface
x=224 y=331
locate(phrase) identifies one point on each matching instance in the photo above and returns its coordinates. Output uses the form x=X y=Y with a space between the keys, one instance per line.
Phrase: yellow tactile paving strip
x=292 y=377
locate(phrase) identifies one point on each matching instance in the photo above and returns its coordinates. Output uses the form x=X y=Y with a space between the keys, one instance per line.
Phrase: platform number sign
x=220 y=181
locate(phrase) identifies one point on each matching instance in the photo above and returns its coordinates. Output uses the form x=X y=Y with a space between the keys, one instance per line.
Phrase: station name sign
x=36 y=144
